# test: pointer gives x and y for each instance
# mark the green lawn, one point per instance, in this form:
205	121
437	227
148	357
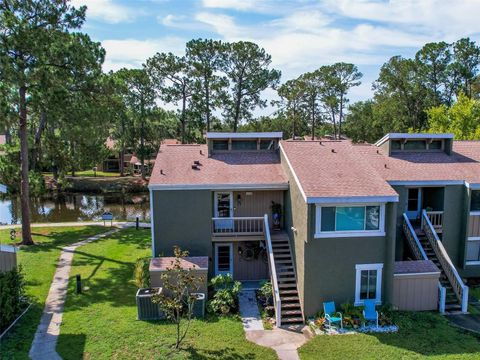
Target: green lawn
90	173
421	335
101	323
38	263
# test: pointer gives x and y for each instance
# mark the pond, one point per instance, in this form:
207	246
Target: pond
77	207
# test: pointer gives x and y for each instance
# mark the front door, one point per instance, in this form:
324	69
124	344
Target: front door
414	203
223	259
224	209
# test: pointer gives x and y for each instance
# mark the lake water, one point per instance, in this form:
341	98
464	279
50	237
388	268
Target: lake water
78	207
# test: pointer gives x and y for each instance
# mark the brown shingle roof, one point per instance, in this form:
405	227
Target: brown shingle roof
189	262
232	168
412	267
334	169
462	165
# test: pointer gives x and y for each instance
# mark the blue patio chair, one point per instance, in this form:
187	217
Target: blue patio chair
331	315
369	312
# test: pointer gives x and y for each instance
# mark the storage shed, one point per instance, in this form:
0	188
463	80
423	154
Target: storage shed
415	285
8	257
198	264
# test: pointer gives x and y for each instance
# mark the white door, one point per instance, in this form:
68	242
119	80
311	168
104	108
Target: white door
223	259
414	203
224	209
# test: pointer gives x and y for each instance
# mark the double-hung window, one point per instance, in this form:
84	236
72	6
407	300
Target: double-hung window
368	283
473	240
350	220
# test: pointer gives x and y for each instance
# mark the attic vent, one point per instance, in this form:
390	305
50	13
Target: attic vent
197	162
195	167
333	151
161	172
201	152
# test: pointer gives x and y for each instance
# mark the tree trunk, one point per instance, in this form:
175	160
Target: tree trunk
122	161
313	120
25	187
207	102
142	141
238	102
334	125
340	119
184	106
36	151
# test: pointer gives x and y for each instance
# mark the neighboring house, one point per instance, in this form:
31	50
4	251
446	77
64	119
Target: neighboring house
351	213
131	162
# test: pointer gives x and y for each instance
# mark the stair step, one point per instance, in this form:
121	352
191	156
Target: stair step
289	286
282	256
288	292
291	305
292	320
289	298
283	261
281	273
281	251
292	312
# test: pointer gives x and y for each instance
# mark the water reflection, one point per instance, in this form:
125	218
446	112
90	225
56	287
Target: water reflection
77	207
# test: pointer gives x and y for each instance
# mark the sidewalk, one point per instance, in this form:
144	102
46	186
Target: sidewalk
45	340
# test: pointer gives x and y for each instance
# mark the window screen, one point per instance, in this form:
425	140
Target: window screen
244	145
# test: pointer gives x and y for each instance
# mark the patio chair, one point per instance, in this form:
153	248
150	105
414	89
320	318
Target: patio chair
331	315
369	312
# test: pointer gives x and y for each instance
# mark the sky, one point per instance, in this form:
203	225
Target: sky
301	35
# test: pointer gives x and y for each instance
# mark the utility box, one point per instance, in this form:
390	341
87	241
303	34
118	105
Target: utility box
197	264
199	305
146	308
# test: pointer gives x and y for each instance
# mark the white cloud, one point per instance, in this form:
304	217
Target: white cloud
108	10
224	25
231	4
131	53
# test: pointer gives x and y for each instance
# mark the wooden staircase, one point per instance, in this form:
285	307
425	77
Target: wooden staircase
291	311
451	301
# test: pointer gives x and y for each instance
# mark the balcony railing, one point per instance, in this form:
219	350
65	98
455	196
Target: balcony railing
436	219
237	226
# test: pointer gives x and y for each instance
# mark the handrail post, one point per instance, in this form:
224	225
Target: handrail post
442	299
273	273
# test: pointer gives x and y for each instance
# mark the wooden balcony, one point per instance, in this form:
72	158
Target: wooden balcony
238	228
436	219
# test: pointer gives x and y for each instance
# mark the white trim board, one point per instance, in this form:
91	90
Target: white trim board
293	172
425	182
397	136
417	274
475	186
244	135
352	199
152	224
159	187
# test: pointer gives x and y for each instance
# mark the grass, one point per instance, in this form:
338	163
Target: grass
421	335
38	264
89	173
101	323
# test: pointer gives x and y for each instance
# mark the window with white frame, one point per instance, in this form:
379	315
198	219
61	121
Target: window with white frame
368	283
350	220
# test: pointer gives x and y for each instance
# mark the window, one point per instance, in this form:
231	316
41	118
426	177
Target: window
435	145
267	144
220	145
396	145
473	251
415	145
244	145
368	283
361	220
413	194
475	201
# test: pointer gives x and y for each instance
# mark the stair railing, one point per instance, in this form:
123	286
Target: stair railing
277	302
419	253
459	288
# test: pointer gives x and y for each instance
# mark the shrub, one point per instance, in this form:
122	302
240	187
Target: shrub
12	296
141	273
265	293
225	298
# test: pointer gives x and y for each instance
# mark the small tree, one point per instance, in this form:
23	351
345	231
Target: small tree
177	298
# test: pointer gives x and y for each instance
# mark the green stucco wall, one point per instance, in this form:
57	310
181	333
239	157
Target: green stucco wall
183	218
296	215
330	263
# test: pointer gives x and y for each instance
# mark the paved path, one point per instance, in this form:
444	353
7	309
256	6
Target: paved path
466	321
77	223
45	340
249	310
285	343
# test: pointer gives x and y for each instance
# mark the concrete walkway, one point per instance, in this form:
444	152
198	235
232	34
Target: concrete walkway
285	343
45	340
78	223
466	321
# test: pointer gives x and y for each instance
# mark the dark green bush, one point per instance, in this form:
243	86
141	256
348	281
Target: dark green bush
225	298
12	296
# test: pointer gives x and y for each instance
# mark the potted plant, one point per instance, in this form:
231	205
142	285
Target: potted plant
276	215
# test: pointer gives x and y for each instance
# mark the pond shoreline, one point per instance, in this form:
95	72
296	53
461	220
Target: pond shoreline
99	185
